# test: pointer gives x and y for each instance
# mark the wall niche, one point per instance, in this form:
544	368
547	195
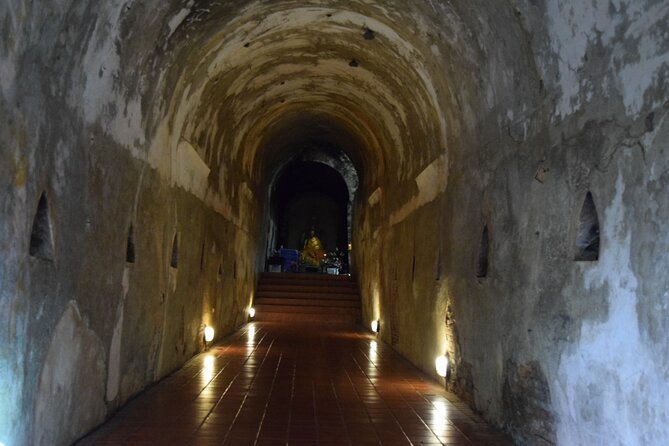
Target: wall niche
174	259
587	236
130	246
484	252
202	257
41	236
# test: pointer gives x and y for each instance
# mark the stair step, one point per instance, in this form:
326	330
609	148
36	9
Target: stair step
340	288
321	318
308	276
307	295
291	297
307	289
288	295
351	303
305	309
310	282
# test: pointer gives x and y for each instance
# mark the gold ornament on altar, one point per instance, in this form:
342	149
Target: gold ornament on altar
313	252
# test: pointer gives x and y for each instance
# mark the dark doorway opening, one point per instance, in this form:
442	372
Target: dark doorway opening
306	196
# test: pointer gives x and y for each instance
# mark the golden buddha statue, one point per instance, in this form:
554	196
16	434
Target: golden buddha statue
313	252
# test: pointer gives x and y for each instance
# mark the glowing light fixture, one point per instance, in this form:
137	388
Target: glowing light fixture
442	365
252	312
375	326
208	333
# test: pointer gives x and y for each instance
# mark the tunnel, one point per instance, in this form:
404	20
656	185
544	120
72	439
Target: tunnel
495	171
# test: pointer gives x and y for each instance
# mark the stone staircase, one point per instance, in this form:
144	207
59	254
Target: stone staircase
292	297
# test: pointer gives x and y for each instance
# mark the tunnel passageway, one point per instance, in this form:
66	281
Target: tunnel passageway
496	172
299	385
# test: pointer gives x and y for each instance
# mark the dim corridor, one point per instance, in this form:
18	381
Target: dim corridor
304	384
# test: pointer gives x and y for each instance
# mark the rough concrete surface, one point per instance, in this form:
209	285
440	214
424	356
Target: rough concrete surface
175	117
70	396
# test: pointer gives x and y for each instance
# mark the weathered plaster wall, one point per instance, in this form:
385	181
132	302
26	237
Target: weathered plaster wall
85	330
174	117
75	359
571	98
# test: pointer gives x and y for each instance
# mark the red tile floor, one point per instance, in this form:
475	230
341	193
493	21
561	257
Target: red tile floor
278	384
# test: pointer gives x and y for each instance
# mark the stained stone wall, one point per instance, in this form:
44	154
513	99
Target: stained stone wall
173	117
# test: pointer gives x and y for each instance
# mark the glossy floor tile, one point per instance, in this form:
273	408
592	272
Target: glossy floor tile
279	384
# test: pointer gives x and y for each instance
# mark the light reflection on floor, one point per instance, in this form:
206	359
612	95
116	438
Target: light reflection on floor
273	384
439	418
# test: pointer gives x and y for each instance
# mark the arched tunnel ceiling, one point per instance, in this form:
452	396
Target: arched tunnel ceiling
312	138
214	94
252	85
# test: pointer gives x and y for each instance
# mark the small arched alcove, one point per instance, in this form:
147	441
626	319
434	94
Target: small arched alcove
203	257
130	246
41	237
587	236
174	258
484	252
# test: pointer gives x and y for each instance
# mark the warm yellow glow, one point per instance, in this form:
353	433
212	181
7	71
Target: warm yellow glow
251	335
375	326
207	373
376	302
208	370
350	246
208	333
438	423
252	312
372	371
440	407
442	365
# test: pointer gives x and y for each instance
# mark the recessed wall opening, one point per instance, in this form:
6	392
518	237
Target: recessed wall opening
174	259
41	237
484	250
202	257
313	165
311	197
130	246
587	236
